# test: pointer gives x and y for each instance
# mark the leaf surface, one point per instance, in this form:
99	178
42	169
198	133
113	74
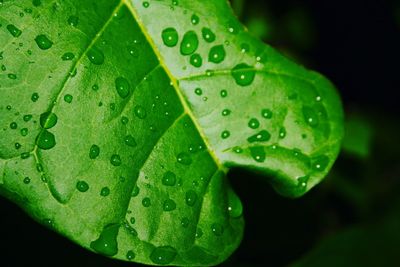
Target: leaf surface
120	120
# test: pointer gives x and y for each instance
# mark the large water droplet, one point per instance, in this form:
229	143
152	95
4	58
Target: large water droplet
46	140
320	163
191	198
14	30
107	244
184	158
235	207
208	35
258	153
43	42
169	205
48	120
122	86
95	56
163	255
243	74
262	136
170	37
190	43
217	54
169	179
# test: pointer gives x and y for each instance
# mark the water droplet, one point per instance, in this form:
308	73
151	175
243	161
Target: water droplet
115	160
43	42
185	222
14	30
266	113
146	4
310	116
122	86
146	202
320	163
68	98
225	134
238	150
217	229
135	191
94	151
27	180
190	43
196	60
258	153
195	19
13	125
95	56
130	255
208	35
262	136
132	220
48	120
24	131
243	74
282	132
198	91
226	112
254	123
169	205
217	54
107	244
12	76
25	155
235	207
302	181
191	198
170	37
73	21
199	233
17	145
105	191
130	141
95	87
68	56
184	158
163	255
140	112
245	48
46	140
82	186
169	179
224	93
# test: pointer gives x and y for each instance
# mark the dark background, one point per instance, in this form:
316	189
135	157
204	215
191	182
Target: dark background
352	218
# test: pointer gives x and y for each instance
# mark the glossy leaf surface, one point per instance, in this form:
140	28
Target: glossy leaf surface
119	121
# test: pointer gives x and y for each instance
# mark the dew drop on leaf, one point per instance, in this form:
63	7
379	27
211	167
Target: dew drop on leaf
163	255
116	160
217	54
199	233
190	43
24	131
146	4
82	186
185	222
235	207
196	60
198	91
195	19
12	76
13	125
258	154
310	116
130	141
68	98
140	112
107	244
184	158
169	179
122	86
224	93
94	151
73	21
68	56
170	37
217	229
191	198
225	134
48	120
135	191
27	180
169	205
46	140
243	74
208	35
262	136
95	56
254	123
105	191
130	255
146	202
14	30
43	42
320	163
266	113
226	112
282	132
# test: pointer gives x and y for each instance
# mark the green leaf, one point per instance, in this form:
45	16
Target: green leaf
120	121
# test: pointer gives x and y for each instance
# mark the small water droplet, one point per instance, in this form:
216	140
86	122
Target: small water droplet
122	86
68	98
169	205
235	207
195	19
185	222
135	191
43	42
130	141
46	140
13	125
243	74
12	76
254	123
320	163
94	151
169	179
245	48
199	233
184	158
105	191
14	30
217	54
258	154
82	186
217	229
115	160
266	113
262	136
208	35
225	134
146	202
68	56
130	255
163	255
146	4
226	112
310	116
140	112
170	37
27	180
196	60
95	56
48	120
224	93
189	44
198	91
282	132
24	131
191	198
73	21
